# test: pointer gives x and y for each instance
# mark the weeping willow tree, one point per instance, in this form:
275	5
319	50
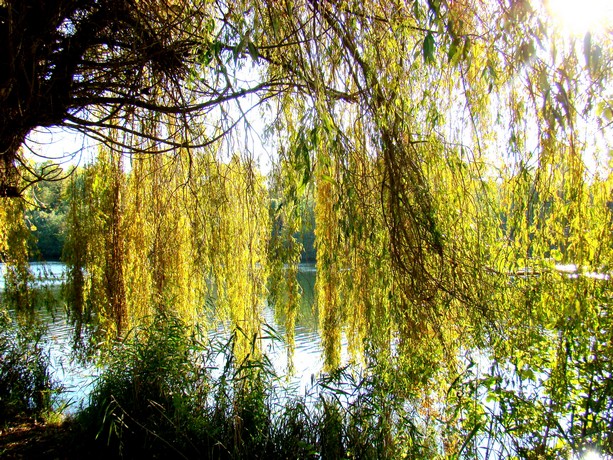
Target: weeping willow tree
155	237
14	254
457	153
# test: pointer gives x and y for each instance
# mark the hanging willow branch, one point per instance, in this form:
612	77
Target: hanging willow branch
88	64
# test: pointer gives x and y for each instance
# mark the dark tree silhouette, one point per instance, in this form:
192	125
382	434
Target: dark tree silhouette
99	66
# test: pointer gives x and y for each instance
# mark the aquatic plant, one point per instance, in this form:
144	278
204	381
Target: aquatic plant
26	385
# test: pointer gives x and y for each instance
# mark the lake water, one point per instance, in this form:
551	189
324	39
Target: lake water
77	378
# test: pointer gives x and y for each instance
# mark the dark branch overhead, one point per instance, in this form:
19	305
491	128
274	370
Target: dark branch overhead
87	64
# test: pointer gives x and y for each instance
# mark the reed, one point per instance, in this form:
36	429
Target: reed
169	391
26	386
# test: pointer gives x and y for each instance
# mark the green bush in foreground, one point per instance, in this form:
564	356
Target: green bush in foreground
26	387
168	393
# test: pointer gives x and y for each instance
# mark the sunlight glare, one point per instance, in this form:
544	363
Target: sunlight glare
578	17
591	455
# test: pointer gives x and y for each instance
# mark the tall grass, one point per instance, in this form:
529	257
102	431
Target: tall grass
168	391
26	387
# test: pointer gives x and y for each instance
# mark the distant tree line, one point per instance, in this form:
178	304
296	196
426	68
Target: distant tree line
47	220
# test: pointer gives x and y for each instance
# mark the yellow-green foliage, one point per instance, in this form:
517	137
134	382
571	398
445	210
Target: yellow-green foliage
160	245
330	258
289	199
169	237
15	254
236	228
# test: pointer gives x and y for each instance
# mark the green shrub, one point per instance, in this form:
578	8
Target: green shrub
150	385
26	387
167	391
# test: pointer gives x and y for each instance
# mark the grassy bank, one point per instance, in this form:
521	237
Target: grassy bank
170	392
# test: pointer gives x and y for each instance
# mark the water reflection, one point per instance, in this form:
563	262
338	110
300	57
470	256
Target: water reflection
45	274
77	377
307	361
